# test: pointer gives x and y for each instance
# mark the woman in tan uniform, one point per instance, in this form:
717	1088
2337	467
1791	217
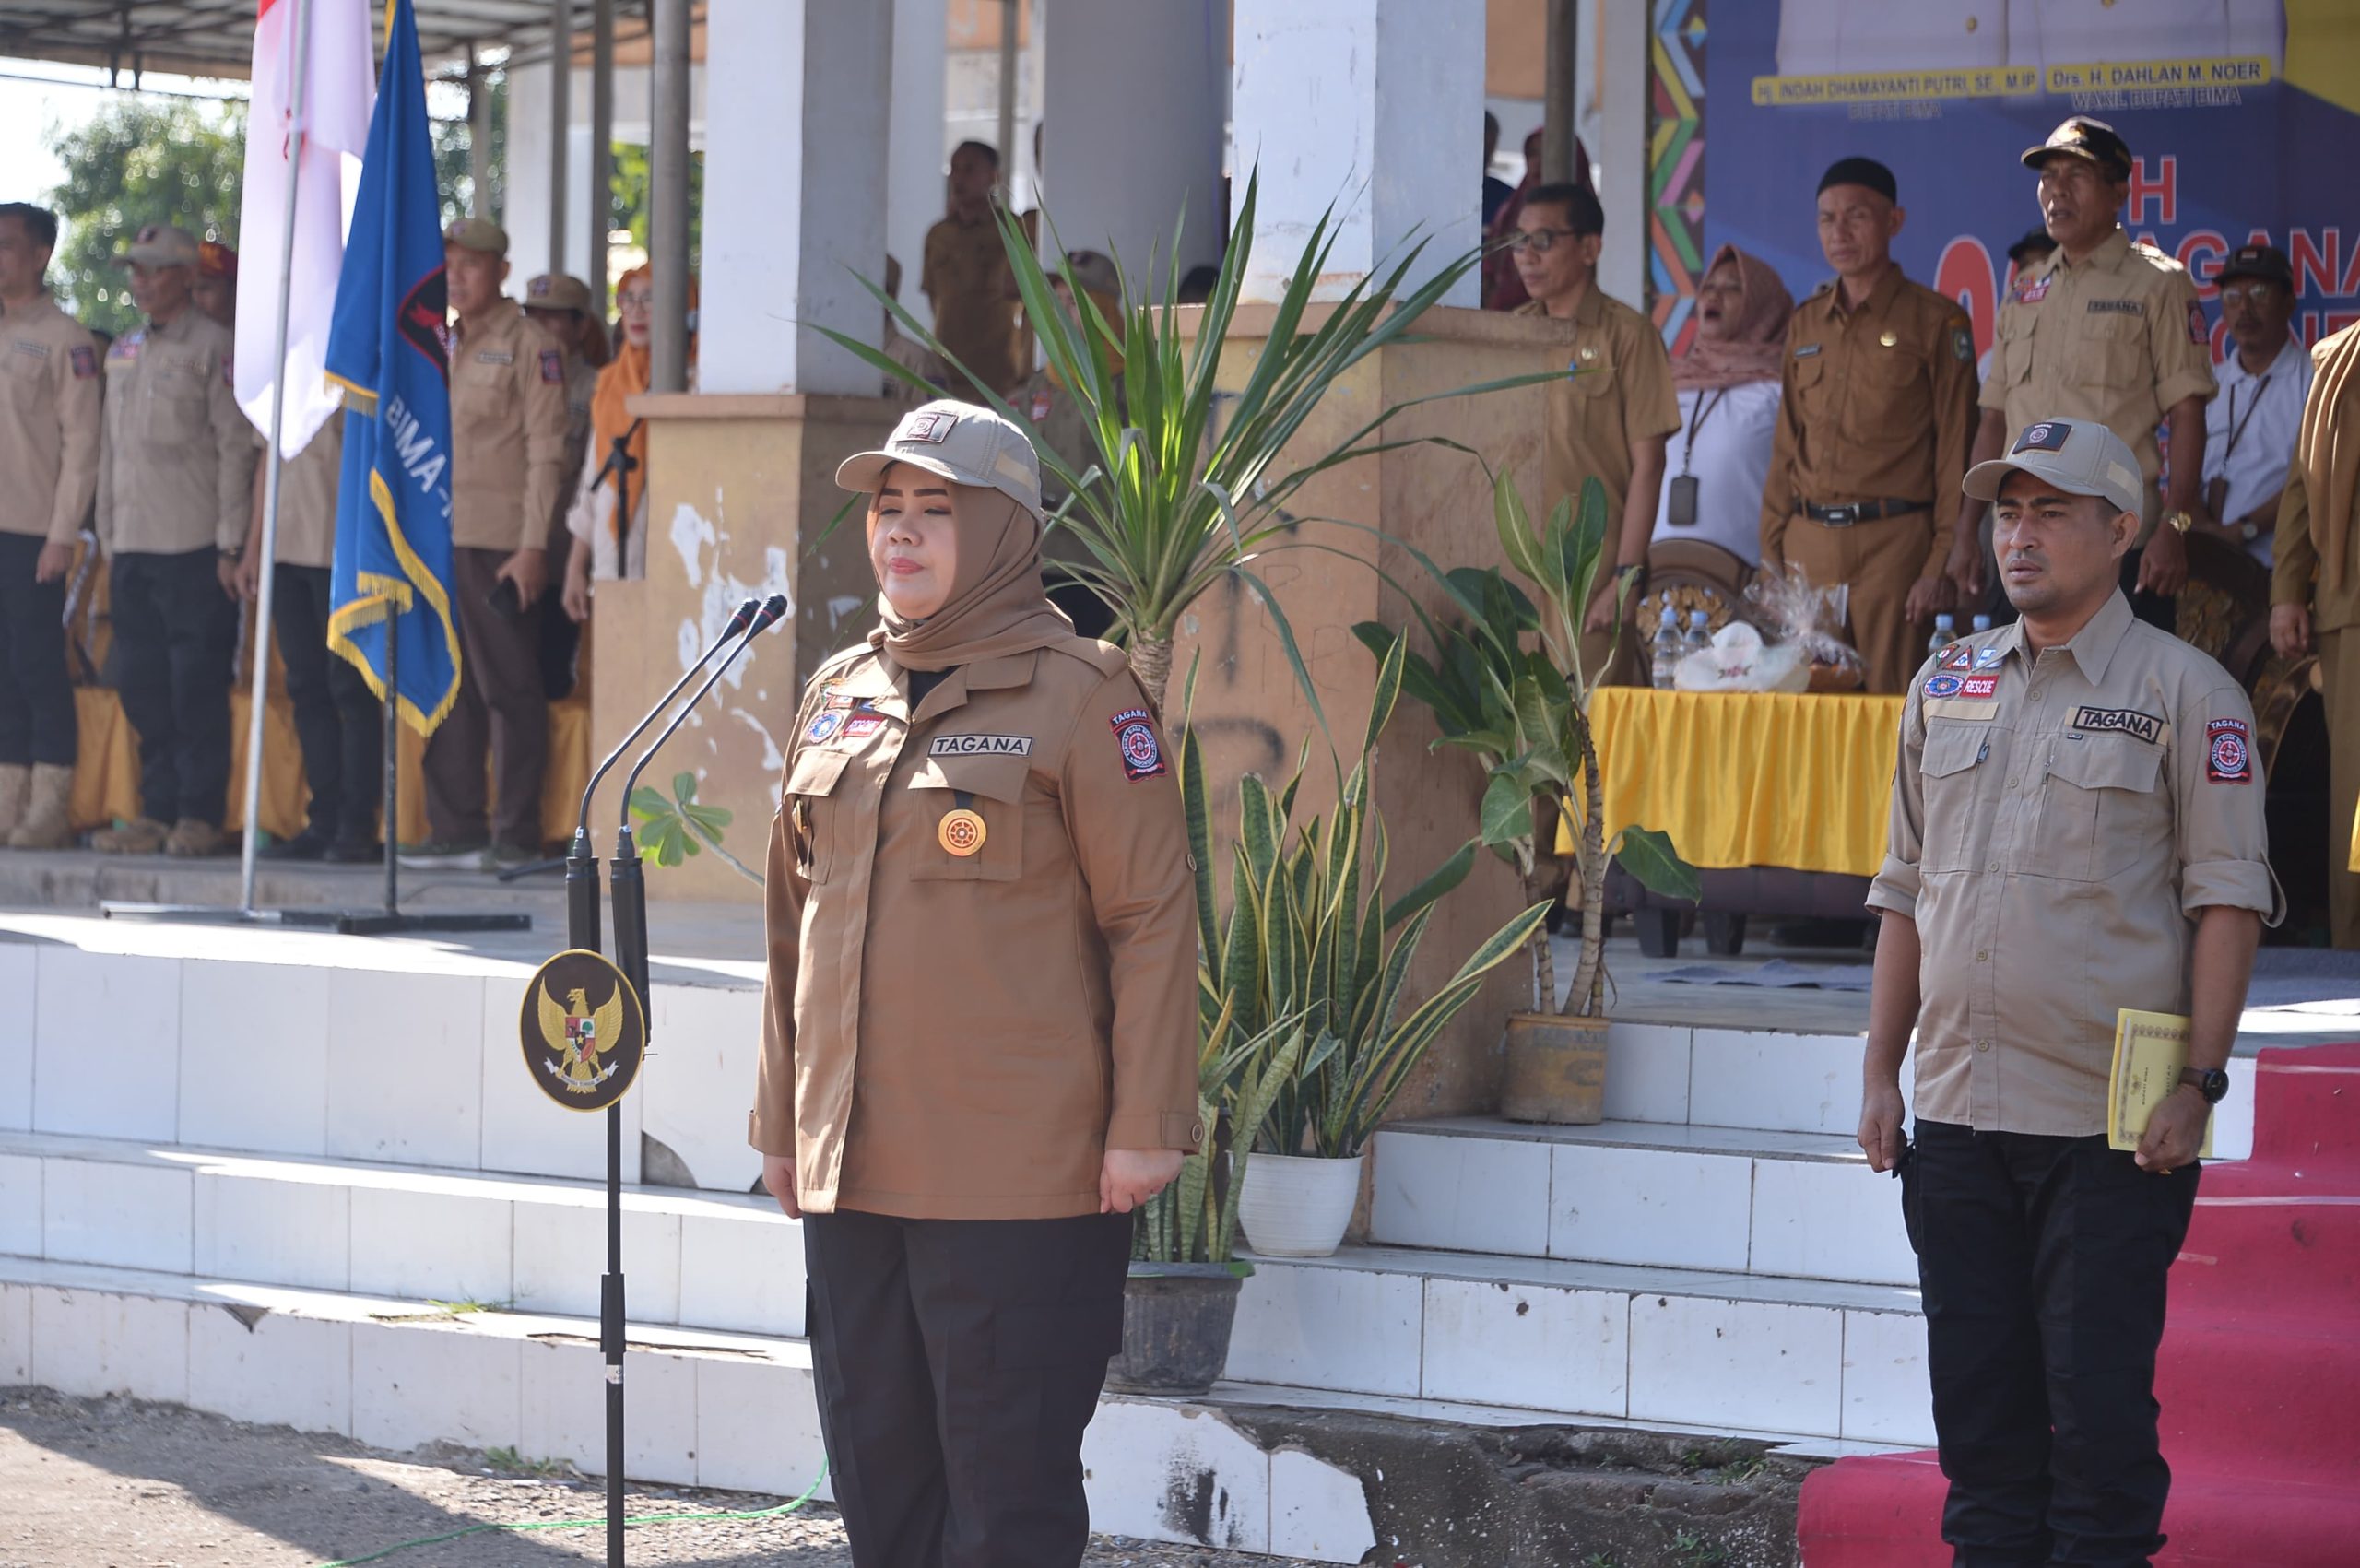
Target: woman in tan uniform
980	1042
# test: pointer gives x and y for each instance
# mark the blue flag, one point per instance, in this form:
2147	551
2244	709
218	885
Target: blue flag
390	600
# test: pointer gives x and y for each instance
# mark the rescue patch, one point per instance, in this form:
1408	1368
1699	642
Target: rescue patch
981	745
2116	308
1944	685
863	724
2049	435
823	727
86	362
2197	331
495	356
1961	346
934	428
1135	736
552	367
1980	687
2033	292
2228	751
2120	721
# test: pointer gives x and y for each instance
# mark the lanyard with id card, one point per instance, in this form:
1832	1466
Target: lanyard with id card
1680	496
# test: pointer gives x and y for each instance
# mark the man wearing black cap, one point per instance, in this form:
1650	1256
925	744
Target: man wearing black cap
1876	407
2104	330
2249	429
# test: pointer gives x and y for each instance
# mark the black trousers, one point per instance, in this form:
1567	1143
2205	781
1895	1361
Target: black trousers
502	709
958	1361
2042	1261
175	635
338	720
37	722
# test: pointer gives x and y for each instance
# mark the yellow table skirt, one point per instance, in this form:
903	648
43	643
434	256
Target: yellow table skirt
1741	779
106	772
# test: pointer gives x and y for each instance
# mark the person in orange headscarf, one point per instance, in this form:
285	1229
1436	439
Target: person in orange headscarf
609	542
1717	462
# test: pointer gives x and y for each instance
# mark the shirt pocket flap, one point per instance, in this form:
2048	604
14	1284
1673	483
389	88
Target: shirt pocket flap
1952	748
994	778
815	770
2108	762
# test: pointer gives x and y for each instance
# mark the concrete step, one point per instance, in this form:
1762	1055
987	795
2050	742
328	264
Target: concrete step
1255	1468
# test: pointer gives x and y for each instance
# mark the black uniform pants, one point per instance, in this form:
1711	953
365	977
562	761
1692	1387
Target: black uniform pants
2042	1261
958	1361
338	720
175	637
37	721
502	709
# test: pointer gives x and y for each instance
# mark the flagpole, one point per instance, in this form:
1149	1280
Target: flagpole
265	568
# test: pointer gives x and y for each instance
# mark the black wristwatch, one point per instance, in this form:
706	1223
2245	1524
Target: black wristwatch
2210	1083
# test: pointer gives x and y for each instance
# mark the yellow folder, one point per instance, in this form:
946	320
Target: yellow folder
2149	1052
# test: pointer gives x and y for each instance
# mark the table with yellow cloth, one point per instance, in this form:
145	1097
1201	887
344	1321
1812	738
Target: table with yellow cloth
106	772
1750	779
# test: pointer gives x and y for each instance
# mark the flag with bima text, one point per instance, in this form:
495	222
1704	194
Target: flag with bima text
390	598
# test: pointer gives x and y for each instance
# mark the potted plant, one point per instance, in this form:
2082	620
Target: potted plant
1507	682
1306	935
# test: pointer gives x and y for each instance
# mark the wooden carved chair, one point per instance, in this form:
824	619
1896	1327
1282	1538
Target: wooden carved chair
1692	574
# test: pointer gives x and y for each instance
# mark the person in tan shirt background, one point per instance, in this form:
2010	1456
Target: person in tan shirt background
508	435
964	274
979	1051
2076	827
174	495
558	307
1610	418
2104	330
1876	407
49	476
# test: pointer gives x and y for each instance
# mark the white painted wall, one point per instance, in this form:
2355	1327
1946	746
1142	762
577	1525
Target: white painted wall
1135	93
793	193
1616	32
1375	106
914	159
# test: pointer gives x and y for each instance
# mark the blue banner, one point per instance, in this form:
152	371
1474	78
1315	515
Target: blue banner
390	596
2243	118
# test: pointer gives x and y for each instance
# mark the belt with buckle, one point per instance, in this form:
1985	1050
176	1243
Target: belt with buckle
1864	512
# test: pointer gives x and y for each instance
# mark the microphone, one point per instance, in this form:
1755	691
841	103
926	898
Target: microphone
774	609
747	614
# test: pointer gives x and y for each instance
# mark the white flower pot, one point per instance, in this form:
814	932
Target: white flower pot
1294	1206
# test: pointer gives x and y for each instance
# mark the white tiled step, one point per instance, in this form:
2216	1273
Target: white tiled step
1724	1352
718	1261
1662	1194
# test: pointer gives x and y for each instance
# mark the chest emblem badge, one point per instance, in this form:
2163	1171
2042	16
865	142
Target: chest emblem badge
961	832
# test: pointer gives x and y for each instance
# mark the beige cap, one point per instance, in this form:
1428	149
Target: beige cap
555	291
476	234
164	244
2079	456
962	442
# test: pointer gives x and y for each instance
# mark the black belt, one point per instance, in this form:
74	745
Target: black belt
1864	512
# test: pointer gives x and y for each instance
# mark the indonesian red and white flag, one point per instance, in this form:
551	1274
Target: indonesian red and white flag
338	89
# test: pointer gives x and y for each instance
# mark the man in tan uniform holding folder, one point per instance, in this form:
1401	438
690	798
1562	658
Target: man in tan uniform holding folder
2076	827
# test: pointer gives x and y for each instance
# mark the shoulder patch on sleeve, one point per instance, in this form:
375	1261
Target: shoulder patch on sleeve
1963	344
2228	751
1135	738
552	367
86	361
2197	331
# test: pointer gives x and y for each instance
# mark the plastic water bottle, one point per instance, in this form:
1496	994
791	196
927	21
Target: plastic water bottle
1982	623
1666	650
1699	640
1945	633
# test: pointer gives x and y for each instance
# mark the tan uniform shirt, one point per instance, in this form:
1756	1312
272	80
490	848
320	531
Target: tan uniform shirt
2055	829
178	469
508	430
2119	339
963	1037
1621	393
1876	403
2293	573
966	279
49	421
307	491
581	385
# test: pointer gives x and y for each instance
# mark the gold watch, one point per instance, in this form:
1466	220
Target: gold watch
2181	522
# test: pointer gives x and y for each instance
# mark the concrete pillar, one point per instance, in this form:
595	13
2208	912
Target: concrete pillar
913	162
560	125
668	198
795	193
530	161
602	153
1374	105
1132	96
1621	150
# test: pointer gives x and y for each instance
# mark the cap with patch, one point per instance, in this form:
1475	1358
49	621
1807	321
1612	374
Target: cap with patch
2081	137
2079	456
164	244
555	291
2267	263
476	234
962	442
214	259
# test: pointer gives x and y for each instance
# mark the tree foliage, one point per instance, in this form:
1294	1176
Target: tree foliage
454	139
627	203
140	160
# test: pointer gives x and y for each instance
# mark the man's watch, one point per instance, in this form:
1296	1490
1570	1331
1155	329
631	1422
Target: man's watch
2181	522
2210	1083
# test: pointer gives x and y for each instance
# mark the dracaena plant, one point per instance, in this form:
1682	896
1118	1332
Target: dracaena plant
1306	935
1189	473
1507	682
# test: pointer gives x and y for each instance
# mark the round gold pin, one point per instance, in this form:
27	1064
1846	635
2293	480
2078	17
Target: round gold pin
1887	338
961	833
1589	351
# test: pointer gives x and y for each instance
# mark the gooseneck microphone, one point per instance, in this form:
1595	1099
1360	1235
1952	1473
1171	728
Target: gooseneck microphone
772	610
745	616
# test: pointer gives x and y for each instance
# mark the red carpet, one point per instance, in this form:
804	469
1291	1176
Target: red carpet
2259	1377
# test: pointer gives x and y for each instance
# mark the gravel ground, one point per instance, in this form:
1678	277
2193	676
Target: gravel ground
116	1484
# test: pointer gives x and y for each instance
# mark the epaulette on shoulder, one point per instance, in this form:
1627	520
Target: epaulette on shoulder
1104	658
